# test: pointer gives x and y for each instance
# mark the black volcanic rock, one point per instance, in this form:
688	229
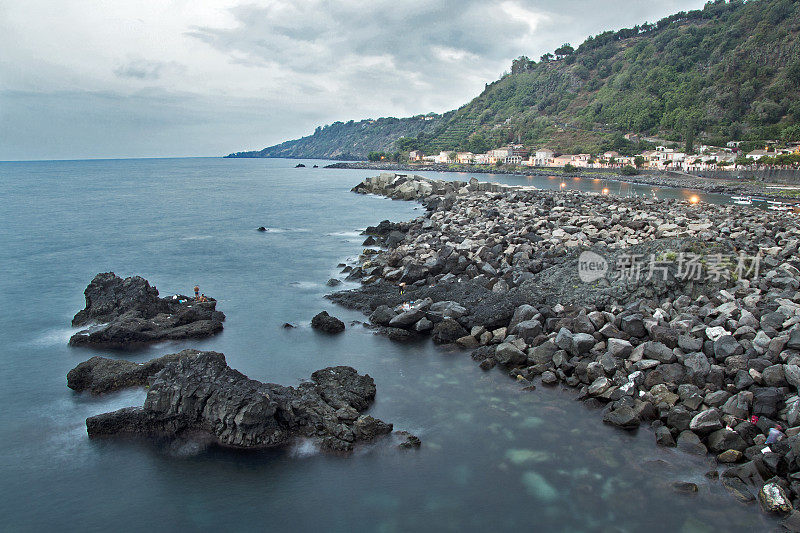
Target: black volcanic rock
129	311
327	323
101	374
200	393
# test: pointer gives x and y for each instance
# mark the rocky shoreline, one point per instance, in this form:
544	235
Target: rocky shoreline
546	286
672	180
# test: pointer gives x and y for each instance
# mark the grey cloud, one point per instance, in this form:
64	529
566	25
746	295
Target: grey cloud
317	36
318	61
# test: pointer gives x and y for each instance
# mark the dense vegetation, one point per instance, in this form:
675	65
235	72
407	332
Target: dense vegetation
730	71
350	140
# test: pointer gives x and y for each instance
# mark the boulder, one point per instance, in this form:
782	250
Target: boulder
619	348
633	324
327	323
726	346
582	343
382	315
527	330
407	319
767	401
543	353
773	499
423	325
624	417
664	437
690	443
698	364
448	331
508	354
522	313
794	339
658	351
726	439
706	421
774	376
739	405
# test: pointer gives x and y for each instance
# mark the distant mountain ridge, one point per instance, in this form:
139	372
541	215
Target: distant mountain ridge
350	140
730	71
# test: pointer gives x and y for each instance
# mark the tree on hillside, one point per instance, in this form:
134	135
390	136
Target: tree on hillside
521	64
638	161
547	57
689	146
564	50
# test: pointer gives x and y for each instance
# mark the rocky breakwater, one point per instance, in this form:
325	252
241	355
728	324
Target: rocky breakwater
197	395
125	312
413	187
683	317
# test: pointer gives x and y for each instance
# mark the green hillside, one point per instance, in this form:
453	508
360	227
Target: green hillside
730	71
350	140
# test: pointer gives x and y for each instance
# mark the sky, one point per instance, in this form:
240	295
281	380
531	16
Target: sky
167	78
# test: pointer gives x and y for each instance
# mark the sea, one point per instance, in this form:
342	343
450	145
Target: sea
493	458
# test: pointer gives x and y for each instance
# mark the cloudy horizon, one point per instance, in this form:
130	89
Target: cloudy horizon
83	80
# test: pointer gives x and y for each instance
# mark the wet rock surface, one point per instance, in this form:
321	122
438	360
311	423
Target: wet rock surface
101	374
198	393
711	362
327	324
126	312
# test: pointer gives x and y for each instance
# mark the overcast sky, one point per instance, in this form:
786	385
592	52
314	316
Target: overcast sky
135	78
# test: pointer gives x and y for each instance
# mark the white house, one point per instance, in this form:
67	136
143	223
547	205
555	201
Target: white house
755	155
542	157
466	158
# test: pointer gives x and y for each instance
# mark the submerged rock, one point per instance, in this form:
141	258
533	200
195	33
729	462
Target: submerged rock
409	441
129	311
200	393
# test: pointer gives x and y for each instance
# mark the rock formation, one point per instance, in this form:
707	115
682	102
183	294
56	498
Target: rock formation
199	393
125	312
326	323
101	374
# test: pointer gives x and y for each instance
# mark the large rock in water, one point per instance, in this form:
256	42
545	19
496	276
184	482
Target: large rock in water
129	311
101	374
327	323
202	394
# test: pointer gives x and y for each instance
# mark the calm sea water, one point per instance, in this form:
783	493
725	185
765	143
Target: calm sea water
493	457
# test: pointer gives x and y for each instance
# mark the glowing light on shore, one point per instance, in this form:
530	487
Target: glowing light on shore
694	200
605	191
563	185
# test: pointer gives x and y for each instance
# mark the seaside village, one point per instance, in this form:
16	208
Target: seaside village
661	158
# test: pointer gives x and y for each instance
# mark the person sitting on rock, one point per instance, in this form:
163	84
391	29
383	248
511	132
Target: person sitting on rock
196	292
203	298
402	288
